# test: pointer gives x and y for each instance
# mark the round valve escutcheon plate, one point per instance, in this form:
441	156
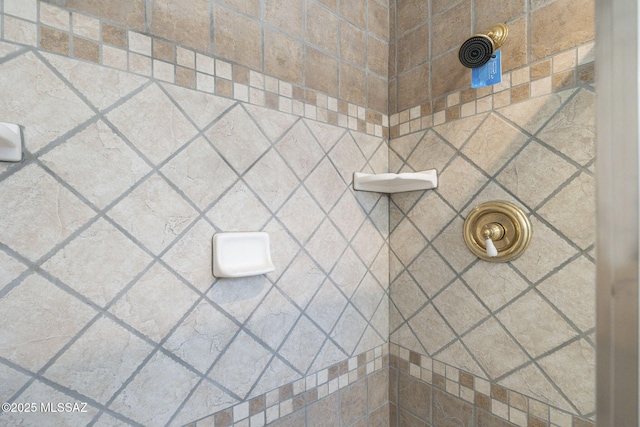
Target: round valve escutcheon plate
511	244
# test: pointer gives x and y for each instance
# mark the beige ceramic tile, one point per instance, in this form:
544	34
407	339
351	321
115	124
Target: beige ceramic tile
98	277
247	49
127	13
449	302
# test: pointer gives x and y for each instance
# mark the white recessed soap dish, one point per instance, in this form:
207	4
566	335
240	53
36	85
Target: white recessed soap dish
241	254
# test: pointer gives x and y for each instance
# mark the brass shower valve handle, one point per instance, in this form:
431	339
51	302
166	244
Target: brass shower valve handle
493	231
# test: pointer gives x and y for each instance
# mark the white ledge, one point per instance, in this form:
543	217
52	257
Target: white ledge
395	182
241	254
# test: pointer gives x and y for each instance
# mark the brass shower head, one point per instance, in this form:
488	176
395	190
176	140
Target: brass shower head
478	50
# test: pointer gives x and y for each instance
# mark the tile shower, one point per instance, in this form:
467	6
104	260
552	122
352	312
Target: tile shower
150	125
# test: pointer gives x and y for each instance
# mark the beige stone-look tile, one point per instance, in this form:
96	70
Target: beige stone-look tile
285	14
580	195
451	245
283	56
320	71
156	391
326	245
101	277
457	133
535	324
324	412
546	251
449	301
377	57
411	88
241	365
49	319
572	369
104	88
446	407
457	355
239	197
493	144
326	306
572	129
272	180
239	297
447	75
368	296
200	107
247	49
31	105
127	13
459	181
301	270
273	319
301	215
49	213
535	173
572	290
99	154
406	295
238	139
12	381
325	184
25	9
200	173
20	31
531	115
573	25
328	356
349	329
431	329
147	119
351	85
140	64
42	393
410	14
186	24
413	48
272	123
348	273
378	20
353	42
99	363
530	381
54	41
250	7
431	153
54	16
205	400
154	213
86	49
191	256
157	291
201	336
10	268
488	13
300	149
515	51
85	26
495	284
322	28
353	402
451	28
430	215
355	12
289	247
347	158
494	349
115	36
431	272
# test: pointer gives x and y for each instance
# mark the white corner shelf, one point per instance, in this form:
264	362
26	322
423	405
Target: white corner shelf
241	254
395	182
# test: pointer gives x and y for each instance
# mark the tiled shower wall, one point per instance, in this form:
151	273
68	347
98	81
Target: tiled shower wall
106	291
517	339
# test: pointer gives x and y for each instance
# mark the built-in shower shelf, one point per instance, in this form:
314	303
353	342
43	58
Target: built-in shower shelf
395	182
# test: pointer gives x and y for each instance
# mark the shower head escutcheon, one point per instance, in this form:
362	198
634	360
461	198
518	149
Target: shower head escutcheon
478	50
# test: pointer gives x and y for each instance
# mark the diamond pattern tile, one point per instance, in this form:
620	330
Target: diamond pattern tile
535	173
278	372
349	329
430	214
155	292
494	285
458	132
348	272
367	243
153	124
300	150
201	336
327	135
239	297
49	213
431	330
272	180
530	381
100	153
459	182
10	269
407	295
493	144
431	153
98	277
325	184
407	242
460	307
154	213
49	319
326	306
273	319
301	215
550	331
30	93
12	381
205	400
239	198
273	123
100	361
347	158
200	173
172	383
238	139
302	344
368	296
301	270
326	245
533	113
200	107
431	272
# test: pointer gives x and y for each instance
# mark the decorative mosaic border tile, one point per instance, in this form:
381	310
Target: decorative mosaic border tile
84	37
279	403
509	405
570	68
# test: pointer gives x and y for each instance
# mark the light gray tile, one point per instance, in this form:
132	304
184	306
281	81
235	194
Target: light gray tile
200	107
205	400
273	319
300	150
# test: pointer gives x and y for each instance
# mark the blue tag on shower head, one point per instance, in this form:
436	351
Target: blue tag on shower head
489	74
